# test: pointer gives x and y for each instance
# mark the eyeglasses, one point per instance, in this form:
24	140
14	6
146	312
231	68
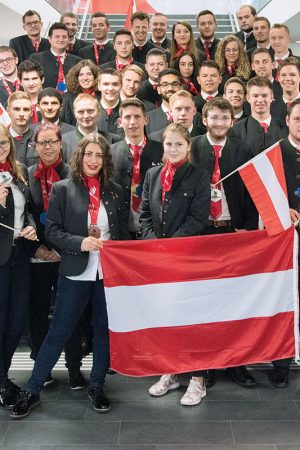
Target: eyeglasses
220	119
32	24
231	50
4	144
51	142
90	155
174	84
7	60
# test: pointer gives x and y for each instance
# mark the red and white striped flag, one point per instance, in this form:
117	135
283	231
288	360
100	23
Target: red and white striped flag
265	180
177	305
131	10
4	117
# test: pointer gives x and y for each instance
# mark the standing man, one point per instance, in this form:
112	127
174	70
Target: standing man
19	108
183	110
9	83
159	28
50	103
56	62
289	79
280	39
71	21
31	42
140	27
31	76
101	51
235	92
245	16
260	130
133	156
169	82
261	32
156	62
207	25
132	77
109	84
209	79
123	46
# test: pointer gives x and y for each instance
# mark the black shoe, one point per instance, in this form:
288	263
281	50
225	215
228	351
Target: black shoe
100	402
241	376
210	378
111	371
9	394
279	377
49	381
77	380
25	402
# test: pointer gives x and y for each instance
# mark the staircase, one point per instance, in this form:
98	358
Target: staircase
225	23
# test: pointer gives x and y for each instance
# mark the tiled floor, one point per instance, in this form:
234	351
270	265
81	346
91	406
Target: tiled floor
229	417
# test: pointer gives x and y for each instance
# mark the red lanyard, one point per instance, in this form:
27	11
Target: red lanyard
16	84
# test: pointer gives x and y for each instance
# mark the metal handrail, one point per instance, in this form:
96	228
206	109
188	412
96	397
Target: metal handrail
232	17
76	6
87	6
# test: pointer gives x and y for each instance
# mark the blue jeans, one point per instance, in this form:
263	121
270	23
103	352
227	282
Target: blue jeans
71	300
14	301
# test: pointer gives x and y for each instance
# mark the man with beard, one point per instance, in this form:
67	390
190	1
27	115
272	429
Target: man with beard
169	82
245	16
261	32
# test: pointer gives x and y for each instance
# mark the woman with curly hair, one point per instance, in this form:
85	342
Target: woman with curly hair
183	39
232	59
82	78
186	64
84	211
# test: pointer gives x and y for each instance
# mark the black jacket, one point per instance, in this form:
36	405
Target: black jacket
67	220
25	149
50	66
242	210
139	54
186	207
79	44
249	43
106	54
212	49
24	48
7	216
291	164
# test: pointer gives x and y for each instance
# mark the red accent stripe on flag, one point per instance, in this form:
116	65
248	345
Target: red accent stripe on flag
209	346
261	198
275	157
181	259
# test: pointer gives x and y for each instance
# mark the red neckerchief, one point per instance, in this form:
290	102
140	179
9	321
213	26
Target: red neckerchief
180	50
136	192
16	84
5	167
88	91
231	69
167	176
97	47
120	66
34	118
70	48
47	176
93	184
36	45
192	88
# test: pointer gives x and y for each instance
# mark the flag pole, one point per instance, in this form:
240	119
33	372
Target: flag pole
12	229
260	155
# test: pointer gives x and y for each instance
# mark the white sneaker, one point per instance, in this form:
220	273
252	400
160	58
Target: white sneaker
194	393
165	384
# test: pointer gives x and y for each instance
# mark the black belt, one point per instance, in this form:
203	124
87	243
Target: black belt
219	223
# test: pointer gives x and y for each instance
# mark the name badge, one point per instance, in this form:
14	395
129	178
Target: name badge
43	218
215	195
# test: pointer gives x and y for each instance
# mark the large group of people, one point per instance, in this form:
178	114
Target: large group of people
127	139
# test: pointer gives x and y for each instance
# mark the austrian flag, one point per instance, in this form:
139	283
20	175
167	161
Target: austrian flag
182	304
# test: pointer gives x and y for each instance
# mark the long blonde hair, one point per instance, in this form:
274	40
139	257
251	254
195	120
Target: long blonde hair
243	66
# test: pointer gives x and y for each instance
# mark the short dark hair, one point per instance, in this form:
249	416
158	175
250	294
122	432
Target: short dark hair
139	15
292	106
212	64
110	71
266	51
122	31
132	102
29	13
30	66
68	14
235	80
57	26
217	102
290	61
168	72
156	52
100	14
259	82
50	92
6	48
204	13
263	19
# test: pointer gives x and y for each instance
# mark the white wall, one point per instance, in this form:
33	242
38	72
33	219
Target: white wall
287	11
12	12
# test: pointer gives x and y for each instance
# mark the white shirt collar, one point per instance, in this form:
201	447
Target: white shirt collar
267	121
63	55
288	101
164	108
104	106
191	128
282	57
84	133
102	43
205	95
139	144
13	133
238	115
158	40
140	45
293	143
